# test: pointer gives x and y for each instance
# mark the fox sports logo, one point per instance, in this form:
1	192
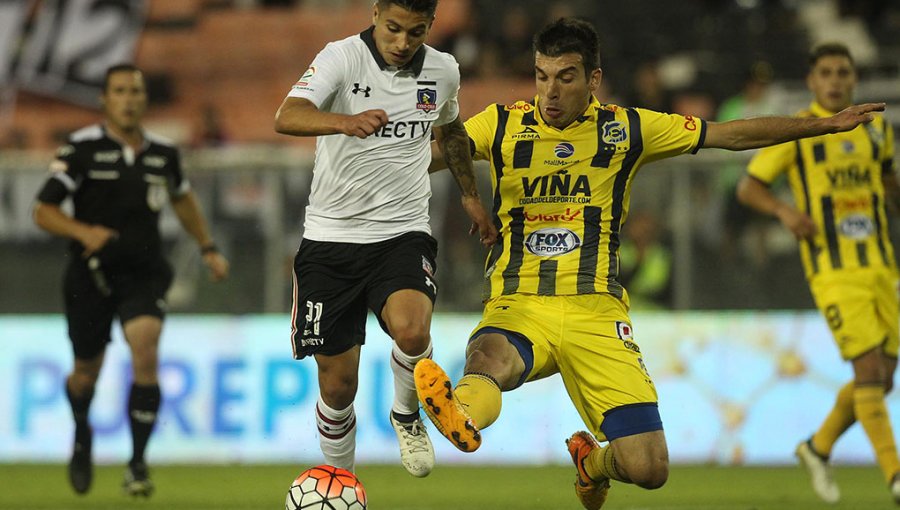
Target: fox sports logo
564	150
550	242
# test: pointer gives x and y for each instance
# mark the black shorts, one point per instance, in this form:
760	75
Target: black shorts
129	294
334	284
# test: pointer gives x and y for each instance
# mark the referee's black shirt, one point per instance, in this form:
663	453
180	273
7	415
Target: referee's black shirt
114	186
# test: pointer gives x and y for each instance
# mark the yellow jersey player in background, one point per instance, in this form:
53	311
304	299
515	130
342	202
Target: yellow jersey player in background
562	168
839	184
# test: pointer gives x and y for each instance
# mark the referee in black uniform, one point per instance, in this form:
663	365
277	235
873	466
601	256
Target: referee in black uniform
119	178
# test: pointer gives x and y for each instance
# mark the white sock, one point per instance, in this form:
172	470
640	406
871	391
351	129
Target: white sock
405	400
337	434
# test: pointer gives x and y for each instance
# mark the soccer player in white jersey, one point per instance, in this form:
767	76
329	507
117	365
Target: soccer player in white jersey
373	100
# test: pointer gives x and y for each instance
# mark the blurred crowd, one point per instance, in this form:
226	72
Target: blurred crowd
716	59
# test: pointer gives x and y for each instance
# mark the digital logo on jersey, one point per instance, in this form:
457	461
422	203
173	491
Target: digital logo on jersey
426	100
564	150
614	132
551	242
856	226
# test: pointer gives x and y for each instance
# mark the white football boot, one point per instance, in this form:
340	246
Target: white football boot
416	450
819	474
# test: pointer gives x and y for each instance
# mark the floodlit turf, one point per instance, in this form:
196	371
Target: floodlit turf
32	487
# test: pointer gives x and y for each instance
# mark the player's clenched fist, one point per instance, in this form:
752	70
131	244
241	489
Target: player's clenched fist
365	123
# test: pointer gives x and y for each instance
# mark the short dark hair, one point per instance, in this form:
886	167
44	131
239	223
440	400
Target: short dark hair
570	35
118	68
421	6
829	50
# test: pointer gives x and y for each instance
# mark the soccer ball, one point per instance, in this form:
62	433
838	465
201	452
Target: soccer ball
326	488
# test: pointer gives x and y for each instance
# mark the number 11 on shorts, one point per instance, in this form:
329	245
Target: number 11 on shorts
313	317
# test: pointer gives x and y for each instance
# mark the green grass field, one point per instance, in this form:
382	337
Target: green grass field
32	487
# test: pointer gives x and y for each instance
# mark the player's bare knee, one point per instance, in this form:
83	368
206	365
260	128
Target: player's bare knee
888	385
412	339
651	475
83	381
338	396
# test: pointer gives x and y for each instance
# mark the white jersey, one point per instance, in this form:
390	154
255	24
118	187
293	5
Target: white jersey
372	189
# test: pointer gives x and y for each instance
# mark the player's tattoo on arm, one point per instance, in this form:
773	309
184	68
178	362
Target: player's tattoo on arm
454	143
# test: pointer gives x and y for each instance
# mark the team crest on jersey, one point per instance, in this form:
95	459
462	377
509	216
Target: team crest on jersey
564	150
551	242
426	100
623	329
847	146
614	132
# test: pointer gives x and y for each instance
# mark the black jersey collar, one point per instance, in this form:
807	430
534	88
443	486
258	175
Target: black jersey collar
415	65
145	141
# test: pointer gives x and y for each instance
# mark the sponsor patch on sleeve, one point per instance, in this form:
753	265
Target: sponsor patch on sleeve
623	329
307	76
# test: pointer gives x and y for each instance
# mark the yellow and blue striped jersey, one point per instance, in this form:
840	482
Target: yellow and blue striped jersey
836	180
560	197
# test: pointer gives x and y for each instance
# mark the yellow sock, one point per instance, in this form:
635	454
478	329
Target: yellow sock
480	395
837	422
868	403
601	463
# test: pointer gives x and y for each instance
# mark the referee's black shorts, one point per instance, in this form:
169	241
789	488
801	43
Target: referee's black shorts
129	294
334	284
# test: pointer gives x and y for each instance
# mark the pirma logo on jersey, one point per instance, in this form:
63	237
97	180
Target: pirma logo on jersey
563	150
550	242
426	100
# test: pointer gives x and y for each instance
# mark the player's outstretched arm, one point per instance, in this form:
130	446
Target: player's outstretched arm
191	218
738	135
757	195
300	117
453	141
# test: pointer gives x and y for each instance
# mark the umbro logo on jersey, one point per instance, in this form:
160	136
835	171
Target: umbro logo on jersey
527	133
357	89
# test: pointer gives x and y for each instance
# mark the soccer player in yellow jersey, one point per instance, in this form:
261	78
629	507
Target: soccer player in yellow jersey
562	167
840	183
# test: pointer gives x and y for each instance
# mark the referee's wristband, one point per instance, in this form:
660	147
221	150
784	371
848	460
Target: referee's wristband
209	248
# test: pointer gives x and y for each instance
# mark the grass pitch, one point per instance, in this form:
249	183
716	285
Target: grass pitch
240	487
